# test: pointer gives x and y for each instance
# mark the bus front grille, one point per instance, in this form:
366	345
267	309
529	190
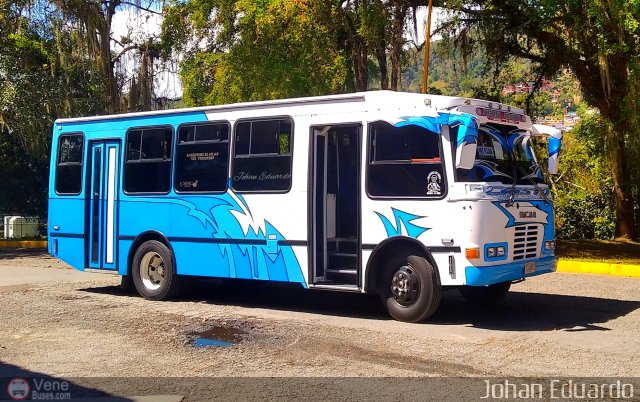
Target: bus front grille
525	243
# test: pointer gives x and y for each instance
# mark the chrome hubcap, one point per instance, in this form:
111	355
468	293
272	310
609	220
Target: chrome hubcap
152	270
405	286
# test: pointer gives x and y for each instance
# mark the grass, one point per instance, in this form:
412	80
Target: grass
610	251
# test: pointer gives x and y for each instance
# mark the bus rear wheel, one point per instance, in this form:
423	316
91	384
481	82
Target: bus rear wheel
154	274
411	288
485	295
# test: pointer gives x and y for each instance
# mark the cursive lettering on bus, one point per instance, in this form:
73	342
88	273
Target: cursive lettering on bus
262	176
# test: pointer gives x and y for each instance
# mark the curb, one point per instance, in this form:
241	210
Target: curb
32	244
599	268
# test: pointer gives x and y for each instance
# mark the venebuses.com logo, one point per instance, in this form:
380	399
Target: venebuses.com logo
20	389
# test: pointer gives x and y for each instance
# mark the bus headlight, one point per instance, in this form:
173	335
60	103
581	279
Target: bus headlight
550	245
492	252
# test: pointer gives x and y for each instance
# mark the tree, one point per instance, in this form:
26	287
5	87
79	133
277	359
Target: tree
92	21
253	50
599	41
42	76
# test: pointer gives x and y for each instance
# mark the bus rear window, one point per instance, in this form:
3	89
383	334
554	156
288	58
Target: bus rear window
69	164
202	158
147	168
404	162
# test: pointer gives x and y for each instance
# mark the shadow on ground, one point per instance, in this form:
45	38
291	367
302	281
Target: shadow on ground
11	253
37	384
519	311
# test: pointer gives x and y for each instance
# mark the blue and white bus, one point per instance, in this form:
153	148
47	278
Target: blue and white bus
382	192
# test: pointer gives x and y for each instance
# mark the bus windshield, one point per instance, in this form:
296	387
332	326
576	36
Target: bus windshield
502	154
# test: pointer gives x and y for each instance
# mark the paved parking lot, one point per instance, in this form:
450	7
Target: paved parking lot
65	323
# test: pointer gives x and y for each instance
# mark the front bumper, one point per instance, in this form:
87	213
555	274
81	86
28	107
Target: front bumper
491	274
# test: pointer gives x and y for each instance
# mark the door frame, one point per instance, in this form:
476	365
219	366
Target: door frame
326	127
104	223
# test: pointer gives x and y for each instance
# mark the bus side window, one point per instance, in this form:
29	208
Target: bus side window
404	162
68	172
202	158
147	168
262	156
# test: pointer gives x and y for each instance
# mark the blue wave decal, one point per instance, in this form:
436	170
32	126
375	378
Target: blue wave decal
489	169
402	220
467	132
495	135
523	213
227	216
554	146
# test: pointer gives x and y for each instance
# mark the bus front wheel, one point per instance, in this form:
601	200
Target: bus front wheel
411	288
486	295
154	273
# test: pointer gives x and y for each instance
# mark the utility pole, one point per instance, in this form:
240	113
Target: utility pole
427	35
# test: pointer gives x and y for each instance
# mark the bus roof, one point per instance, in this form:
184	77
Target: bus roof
381	99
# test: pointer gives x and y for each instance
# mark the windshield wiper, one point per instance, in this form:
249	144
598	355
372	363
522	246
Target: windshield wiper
514	181
537	189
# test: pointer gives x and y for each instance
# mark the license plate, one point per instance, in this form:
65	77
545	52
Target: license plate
529	267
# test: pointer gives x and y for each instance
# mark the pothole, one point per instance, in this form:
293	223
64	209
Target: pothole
218	334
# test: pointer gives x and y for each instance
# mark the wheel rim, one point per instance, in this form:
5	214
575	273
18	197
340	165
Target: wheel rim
405	286
152	270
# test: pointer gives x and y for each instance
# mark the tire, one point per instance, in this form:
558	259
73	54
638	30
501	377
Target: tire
485	295
154	273
410	288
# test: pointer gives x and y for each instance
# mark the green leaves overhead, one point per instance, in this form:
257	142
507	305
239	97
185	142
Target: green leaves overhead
247	50
599	41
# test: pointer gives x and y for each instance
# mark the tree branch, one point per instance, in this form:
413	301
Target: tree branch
140	7
123	51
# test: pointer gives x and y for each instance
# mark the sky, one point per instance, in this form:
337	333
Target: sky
142	24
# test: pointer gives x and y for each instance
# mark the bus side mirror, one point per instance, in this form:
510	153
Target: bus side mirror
554	154
466	155
555	142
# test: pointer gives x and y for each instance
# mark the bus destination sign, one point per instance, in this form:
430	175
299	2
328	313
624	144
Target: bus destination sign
501	115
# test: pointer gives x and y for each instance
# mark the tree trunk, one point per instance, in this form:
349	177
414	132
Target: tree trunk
397	40
105	55
381	55
360	58
146	78
625	222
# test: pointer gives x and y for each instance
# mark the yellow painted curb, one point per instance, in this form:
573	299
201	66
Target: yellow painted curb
23	244
601	268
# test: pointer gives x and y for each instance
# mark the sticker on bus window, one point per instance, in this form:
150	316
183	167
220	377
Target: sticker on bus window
433	183
486	151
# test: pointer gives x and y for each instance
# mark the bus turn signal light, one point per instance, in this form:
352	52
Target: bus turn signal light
471	253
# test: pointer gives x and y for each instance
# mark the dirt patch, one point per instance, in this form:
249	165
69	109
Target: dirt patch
66	323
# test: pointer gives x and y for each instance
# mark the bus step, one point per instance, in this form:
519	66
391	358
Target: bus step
343	239
337	259
330	285
340	254
349	271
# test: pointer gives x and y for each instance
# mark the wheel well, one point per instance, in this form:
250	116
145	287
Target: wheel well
385	251
143	237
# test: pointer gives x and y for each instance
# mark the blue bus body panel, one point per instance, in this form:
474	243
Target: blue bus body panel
67	214
489	275
206	237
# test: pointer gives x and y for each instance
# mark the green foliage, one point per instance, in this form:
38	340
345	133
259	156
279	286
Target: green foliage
278	49
585	206
40	79
599	41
